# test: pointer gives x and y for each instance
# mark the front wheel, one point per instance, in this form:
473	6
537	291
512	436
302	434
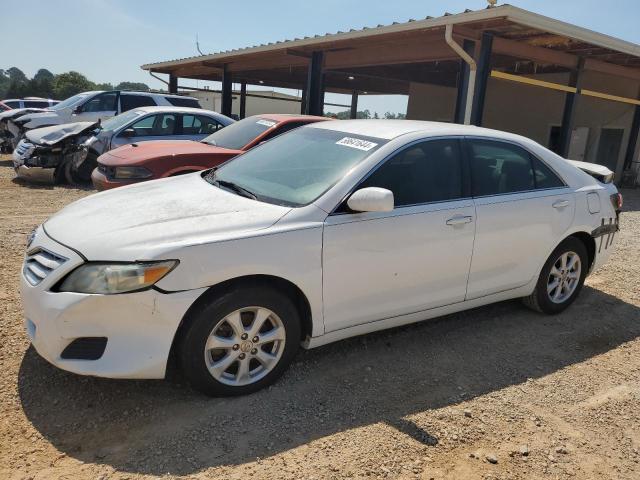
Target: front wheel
561	278
240	342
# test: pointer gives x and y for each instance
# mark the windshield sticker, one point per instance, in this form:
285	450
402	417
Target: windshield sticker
266	123
357	143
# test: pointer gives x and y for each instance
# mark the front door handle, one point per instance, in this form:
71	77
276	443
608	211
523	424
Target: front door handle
560	204
459	220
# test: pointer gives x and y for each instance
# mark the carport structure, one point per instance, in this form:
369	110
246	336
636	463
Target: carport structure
501	67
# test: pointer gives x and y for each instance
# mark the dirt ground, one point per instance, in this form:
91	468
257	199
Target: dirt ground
498	392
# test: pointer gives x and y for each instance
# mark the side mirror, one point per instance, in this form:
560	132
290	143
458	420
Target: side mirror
371	199
77	110
128	133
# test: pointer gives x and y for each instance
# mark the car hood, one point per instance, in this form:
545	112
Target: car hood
19	112
52	135
138	153
45	115
150	219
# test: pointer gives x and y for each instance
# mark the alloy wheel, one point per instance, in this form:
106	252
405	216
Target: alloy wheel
245	346
564	277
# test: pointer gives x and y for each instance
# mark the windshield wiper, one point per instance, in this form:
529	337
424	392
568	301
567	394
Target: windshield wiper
236	188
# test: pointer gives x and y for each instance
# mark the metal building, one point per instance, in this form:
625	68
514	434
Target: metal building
573	89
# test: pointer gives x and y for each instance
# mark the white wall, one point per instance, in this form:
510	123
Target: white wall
255	106
532	111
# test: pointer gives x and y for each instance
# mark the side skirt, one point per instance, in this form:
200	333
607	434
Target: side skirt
334	336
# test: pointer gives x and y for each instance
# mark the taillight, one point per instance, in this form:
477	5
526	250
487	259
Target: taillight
616	201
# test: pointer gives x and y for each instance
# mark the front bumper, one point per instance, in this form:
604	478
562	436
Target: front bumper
139	327
35	174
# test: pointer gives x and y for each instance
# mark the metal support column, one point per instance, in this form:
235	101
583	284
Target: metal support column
314	104
243	99
354	104
482	78
227	93
173	84
634	136
303	101
568	114
463	83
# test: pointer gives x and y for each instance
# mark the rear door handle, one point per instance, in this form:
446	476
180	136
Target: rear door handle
459	220
560	204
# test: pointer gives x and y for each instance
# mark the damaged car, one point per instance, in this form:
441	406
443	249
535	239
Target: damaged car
8	139
95	105
46	154
144	124
68	153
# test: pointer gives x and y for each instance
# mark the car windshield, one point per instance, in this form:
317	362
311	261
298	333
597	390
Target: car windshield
70	102
294	169
239	134
121	120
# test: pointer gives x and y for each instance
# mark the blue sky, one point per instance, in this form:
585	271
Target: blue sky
108	40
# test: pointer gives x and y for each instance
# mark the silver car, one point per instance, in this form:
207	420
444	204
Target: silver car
69	152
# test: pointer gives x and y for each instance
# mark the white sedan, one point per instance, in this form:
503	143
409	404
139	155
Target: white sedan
333	230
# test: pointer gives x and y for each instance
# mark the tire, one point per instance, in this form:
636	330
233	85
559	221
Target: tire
552	300
82	174
237	364
62	174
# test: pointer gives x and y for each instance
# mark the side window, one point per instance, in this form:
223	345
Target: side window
544	176
427	172
104	102
165	125
36	104
12	104
129	101
144	126
198	125
208	125
498	167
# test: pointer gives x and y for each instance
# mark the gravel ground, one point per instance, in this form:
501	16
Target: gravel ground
498	392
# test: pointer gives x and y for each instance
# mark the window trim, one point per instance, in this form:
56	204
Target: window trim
468	154
464	170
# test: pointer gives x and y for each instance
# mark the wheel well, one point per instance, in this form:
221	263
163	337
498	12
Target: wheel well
300	300
589	243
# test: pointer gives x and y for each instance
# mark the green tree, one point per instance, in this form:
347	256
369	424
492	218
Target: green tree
41	85
104	86
137	86
5	81
70	83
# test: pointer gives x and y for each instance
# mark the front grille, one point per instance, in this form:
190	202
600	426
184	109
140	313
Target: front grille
39	264
85	348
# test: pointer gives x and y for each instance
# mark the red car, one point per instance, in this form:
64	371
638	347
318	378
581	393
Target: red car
164	158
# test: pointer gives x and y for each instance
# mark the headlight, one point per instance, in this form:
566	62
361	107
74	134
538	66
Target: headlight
108	279
131	172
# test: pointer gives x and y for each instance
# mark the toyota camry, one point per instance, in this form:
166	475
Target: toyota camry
332	230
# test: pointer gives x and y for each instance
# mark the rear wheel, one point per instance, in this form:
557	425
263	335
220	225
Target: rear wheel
561	278
240	342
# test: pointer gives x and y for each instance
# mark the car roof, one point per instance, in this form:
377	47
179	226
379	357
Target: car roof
162	108
390	129
287	117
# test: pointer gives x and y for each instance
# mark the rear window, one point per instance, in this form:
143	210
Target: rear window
183	102
240	134
129	102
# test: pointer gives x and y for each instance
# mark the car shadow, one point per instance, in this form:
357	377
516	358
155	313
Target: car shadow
50	185
155	427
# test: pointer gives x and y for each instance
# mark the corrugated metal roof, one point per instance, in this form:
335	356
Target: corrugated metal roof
509	12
